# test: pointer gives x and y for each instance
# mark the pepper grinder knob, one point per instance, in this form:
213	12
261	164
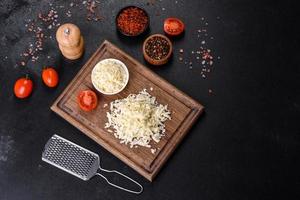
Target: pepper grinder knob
67	31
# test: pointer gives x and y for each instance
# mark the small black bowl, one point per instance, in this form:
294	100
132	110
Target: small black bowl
126	34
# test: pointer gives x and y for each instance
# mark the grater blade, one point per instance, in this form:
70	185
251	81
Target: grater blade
70	157
79	161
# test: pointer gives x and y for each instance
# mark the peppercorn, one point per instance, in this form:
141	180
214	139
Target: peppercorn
157	48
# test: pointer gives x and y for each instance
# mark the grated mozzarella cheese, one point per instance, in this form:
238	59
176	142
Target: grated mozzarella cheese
109	76
138	119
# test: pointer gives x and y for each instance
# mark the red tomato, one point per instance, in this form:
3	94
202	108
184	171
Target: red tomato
173	26
50	77
23	87
87	100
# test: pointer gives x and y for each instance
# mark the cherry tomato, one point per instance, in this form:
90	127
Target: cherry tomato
23	87
173	26
87	100
50	77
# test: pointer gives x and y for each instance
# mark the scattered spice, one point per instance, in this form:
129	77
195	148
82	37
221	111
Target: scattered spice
48	20
201	56
150	2
69	14
92	11
157	48
132	21
43	25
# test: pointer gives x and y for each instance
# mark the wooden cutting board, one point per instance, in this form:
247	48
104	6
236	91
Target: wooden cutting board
184	111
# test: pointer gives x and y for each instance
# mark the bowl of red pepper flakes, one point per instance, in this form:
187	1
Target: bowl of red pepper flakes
132	21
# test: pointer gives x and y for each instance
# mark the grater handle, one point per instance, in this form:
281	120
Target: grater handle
117	186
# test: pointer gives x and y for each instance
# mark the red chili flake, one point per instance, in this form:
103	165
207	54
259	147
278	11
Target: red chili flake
132	21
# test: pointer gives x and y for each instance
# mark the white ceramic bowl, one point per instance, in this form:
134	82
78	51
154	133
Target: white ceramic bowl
126	74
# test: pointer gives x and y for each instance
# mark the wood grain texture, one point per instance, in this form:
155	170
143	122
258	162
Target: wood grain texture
184	111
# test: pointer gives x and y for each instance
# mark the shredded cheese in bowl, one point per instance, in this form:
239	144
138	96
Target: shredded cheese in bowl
138	119
110	76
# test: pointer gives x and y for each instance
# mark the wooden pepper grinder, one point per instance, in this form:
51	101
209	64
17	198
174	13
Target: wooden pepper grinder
70	41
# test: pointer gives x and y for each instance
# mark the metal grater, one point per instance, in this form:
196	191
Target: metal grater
78	161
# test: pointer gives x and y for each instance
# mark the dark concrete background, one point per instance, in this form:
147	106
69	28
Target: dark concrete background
246	146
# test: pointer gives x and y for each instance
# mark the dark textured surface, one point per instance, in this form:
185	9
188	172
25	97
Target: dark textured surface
246	146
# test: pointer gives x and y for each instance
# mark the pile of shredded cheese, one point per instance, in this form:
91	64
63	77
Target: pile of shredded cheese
138	119
109	76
